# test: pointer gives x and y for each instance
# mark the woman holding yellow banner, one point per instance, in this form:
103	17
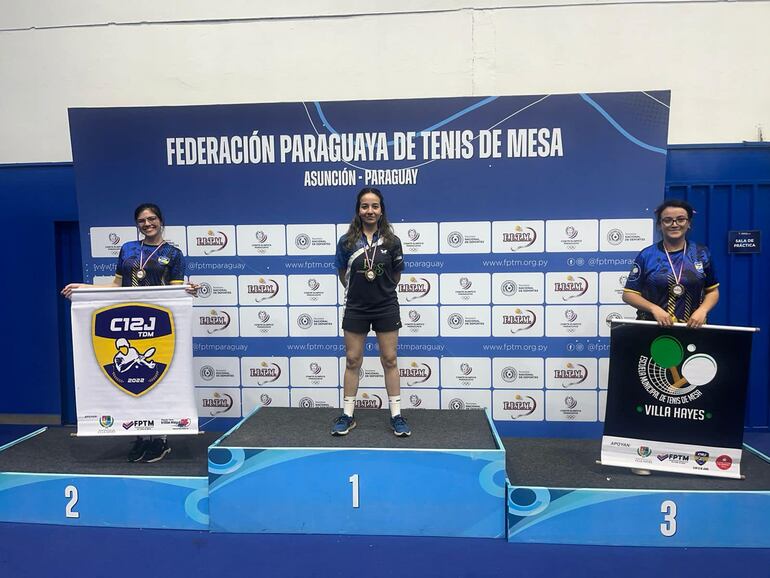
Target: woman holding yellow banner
146	263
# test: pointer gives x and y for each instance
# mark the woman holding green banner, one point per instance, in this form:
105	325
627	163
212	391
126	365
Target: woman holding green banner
673	280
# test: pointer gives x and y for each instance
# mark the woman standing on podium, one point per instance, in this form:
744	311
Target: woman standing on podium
146	263
673	280
369	262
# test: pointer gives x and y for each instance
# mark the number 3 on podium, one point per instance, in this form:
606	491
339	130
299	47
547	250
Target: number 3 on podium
668	527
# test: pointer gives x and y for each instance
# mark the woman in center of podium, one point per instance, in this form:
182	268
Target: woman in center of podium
369	262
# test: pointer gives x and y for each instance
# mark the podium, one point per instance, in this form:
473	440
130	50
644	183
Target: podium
280	470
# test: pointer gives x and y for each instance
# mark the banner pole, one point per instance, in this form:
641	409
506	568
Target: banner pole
644	322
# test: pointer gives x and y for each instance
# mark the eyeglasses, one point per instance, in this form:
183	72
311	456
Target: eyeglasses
669	221
148	220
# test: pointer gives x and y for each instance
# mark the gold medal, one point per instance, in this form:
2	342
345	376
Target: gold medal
369	273
677	290
141	273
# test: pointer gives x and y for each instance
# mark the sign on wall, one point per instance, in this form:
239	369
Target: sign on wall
519	217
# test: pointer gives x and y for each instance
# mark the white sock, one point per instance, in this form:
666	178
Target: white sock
349	405
395	405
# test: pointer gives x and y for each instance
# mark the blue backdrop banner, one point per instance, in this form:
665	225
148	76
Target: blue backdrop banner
519	218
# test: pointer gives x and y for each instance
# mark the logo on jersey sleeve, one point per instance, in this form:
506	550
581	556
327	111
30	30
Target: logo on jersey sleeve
133	344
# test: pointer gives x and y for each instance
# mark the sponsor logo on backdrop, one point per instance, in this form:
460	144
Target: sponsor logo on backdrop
368	401
215	321
302	241
724	462
456	403
263	289
644	451
509	288
106	421
305	321
571	288
113	242
701	458
183	423
265	399
262	244
521	406
207	373
139	424
414	288
570	410
520	237
455	320
612	316
455	239
204	290
217	403
413	235
571	232
521	320
416	373
265	373
133	344
509	374
309	402
674	458
671	376
571	374
263	323
615	236
415	400
414	325
212	241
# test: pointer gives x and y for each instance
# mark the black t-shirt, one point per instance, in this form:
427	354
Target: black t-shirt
370	299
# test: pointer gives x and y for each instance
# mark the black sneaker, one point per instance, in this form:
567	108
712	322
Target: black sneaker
138	450
157	450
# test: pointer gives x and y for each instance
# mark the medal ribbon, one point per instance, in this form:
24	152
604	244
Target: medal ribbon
142	262
369	263
671	263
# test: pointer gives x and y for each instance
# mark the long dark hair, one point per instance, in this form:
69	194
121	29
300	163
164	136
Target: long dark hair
356	228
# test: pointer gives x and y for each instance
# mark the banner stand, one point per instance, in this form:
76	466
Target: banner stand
676	397
132	350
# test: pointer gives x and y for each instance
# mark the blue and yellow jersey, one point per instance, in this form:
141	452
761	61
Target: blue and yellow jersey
652	278
164	267
370	299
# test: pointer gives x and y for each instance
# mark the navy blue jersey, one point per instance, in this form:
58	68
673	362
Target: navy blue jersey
652	278
370	299
165	267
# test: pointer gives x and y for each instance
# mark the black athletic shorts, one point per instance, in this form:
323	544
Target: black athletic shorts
379	324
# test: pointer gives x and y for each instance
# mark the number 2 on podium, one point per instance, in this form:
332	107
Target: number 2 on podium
71	492
354	481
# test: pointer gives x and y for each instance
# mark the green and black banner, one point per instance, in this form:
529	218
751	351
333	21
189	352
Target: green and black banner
676	398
